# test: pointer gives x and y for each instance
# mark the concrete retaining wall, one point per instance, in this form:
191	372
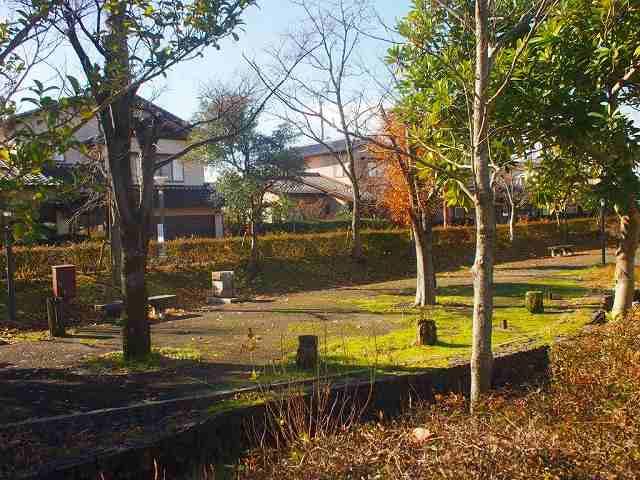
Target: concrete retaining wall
222	437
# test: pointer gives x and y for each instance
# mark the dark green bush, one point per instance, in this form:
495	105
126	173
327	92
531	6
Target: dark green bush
454	247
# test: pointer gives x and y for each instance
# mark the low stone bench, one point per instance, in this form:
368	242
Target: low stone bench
222	288
562	250
110	310
159	303
162	302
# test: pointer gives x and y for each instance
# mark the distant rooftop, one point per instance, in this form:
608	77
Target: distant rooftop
172	126
314	184
330	146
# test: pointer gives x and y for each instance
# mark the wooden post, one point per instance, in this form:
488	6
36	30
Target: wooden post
55	317
446	220
307	356
534	301
607	302
427	332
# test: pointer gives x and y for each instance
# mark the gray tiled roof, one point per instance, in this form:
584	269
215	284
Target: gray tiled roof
314	184
327	147
171	127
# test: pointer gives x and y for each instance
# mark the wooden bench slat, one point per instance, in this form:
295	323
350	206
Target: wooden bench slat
158	302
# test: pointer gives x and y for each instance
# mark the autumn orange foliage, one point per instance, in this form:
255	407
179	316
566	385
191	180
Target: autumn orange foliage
396	197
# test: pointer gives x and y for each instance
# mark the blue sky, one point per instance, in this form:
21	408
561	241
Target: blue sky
264	26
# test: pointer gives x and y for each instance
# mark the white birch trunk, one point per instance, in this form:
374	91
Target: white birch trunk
481	355
425	275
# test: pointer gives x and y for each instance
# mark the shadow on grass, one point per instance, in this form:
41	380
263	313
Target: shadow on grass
514	290
92	336
318	313
42	392
544	267
400	292
440	343
30	393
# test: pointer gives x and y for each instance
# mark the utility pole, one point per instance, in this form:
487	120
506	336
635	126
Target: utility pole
160	181
8	243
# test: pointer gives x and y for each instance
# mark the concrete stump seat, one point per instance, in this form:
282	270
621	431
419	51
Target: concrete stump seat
222	287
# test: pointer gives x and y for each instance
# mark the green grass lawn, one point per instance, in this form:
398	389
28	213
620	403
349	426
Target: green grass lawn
114	362
393	347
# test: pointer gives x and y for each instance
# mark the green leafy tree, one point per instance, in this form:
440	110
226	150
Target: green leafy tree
249	162
557	192
583	68
122	45
456	64
26	40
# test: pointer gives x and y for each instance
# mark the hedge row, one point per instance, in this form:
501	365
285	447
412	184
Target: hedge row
325	226
454	246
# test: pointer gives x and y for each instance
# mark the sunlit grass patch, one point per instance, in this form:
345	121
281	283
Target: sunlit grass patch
239	400
13	336
114	362
398	349
394	346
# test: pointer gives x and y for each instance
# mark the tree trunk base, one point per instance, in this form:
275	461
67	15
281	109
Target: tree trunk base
607	302
534	302
55	317
307	355
427	332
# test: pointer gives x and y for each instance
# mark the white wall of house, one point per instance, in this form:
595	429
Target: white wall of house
189	172
327	166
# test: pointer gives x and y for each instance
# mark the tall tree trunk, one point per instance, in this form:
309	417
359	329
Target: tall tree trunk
252	268
481	355
512	223
116	247
625	261
136	336
425	277
427	226
356	247
445	215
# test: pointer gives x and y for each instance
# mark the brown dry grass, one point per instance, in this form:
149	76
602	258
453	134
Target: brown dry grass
584	425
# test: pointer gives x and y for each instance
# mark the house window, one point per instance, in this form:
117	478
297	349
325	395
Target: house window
174	171
338	171
374	169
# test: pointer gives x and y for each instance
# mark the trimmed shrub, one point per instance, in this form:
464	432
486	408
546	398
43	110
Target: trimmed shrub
453	247
325	226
